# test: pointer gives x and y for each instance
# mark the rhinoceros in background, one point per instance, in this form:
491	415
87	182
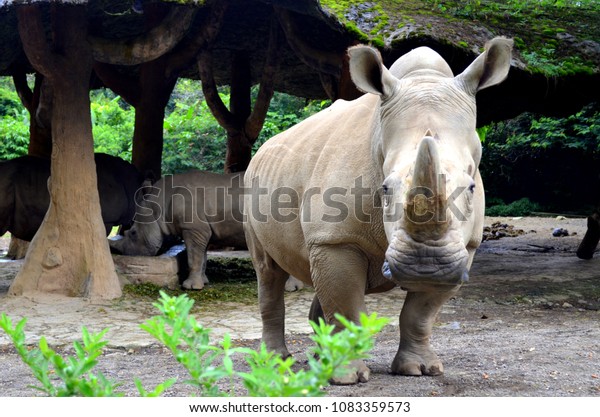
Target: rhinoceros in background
200	207
373	193
25	198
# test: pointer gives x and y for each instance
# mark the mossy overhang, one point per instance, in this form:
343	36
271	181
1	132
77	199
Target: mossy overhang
555	70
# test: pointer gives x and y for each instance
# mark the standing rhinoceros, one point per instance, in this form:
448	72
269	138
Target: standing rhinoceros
24	197
388	180
200	207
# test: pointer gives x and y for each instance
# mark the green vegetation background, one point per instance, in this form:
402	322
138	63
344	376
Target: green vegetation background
553	163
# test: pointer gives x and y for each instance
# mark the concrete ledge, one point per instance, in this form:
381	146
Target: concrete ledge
161	271
171	268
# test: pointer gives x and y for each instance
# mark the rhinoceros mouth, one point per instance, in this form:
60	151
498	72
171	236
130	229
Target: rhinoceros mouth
434	262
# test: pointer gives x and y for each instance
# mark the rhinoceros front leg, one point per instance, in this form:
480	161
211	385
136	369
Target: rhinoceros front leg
196	243
415	356
339	275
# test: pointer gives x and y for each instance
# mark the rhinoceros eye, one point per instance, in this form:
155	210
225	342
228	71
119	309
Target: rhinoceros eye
386	195
472	187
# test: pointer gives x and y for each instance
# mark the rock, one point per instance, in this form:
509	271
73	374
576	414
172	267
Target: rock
567	305
559	232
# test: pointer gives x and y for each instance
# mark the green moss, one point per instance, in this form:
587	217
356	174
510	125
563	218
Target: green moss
534	24
241	292
227	269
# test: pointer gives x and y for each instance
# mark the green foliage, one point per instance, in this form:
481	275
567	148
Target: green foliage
544	61
9	99
521	207
193	139
112	124
14	126
208	365
74	373
14	131
269	375
553	161
330	357
529	133
189	342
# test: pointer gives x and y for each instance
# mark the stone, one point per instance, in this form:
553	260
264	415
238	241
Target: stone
157	270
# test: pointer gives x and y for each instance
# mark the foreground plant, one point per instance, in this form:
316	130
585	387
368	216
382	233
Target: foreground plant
48	367
208	365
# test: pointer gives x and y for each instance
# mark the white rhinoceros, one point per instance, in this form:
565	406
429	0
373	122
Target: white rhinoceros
200	207
388	180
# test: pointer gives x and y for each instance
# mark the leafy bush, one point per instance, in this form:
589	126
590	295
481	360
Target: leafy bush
553	161
14	128
112	124
14	131
522	207
193	139
207	365
74	372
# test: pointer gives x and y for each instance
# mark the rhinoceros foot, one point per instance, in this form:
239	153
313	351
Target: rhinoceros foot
354	373
413	364
195	282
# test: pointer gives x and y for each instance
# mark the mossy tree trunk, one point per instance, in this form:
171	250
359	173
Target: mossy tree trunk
69	255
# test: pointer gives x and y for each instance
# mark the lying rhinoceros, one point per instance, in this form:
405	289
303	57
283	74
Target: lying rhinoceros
25	198
200	207
373	193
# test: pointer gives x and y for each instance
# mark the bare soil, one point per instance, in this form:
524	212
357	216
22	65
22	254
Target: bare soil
527	324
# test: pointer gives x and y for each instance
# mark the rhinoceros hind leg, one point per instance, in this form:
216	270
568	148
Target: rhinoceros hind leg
271	289
415	356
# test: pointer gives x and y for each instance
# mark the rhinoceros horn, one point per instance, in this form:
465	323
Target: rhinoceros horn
426	199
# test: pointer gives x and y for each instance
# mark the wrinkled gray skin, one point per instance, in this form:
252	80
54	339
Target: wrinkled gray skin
25	198
200	207
385	191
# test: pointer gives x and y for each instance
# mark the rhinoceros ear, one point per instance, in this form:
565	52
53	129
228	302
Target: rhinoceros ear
368	72
489	68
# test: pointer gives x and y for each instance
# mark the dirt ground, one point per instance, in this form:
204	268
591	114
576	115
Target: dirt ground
527	324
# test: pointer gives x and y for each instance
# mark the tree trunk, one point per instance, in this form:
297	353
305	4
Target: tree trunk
239	151
39	106
69	255
242	122
154	92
